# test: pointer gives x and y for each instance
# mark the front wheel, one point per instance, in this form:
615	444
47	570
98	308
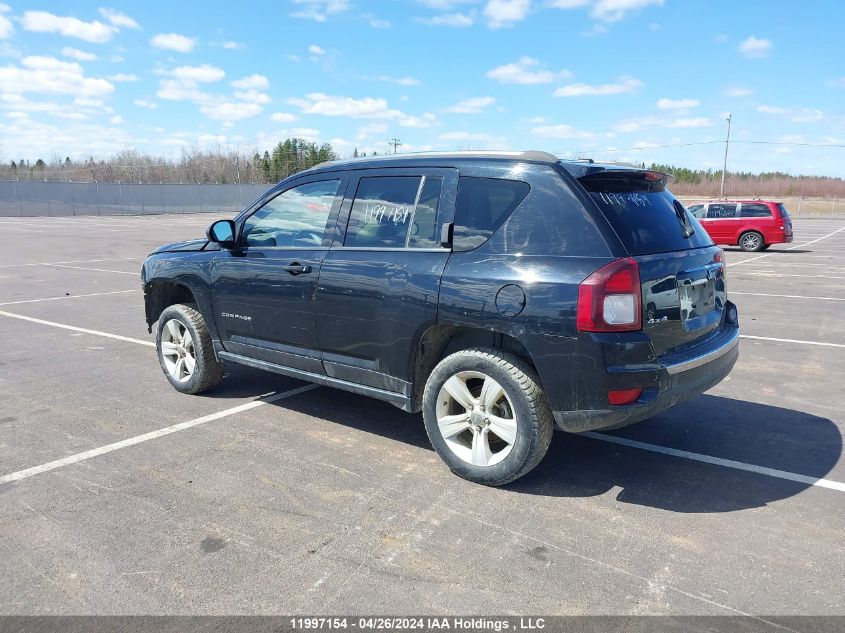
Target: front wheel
487	416
184	349
751	241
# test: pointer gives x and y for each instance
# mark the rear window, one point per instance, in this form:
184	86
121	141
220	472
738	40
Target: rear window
755	211
483	204
644	214
783	211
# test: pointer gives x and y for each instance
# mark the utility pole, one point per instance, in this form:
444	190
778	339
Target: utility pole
725	164
396	143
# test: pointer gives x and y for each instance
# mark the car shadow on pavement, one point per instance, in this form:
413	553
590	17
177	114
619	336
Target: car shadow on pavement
747	432
580	466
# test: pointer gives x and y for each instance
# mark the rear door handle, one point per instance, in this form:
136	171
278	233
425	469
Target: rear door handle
297	269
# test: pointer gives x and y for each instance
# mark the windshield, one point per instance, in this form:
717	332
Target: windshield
644	213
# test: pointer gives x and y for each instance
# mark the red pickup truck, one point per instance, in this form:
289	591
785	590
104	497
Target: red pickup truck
753	225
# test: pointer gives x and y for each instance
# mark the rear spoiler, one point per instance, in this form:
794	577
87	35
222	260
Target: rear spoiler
590	171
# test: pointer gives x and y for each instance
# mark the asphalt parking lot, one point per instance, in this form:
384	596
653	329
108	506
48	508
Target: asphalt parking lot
119	495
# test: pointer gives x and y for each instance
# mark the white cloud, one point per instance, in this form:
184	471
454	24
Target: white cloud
308	133
767	109
695	122
144	103
677	104
50	76
474	105
607	10
624	85
7	29
229	111
75	53
118	19
505	13
836	83
116	119
316	50
211	139
807	115
399	81
45	22
252	82
364	108
252	96
524	71
738	92
445	5
754	47
283	117
173	42
205	73
376	22
366	131
634	125
319	10
615	10
454	20
123	77
232	45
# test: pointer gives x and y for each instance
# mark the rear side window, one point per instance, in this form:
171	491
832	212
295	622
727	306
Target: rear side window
721	211
697	210
784	213
644	213
482	205
755	211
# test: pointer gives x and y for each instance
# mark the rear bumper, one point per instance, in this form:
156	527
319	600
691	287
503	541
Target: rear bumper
677	379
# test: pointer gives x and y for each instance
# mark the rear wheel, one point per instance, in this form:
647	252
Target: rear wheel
751	241
184	349
486	416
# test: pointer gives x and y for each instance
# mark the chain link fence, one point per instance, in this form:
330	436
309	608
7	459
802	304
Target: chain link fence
22	198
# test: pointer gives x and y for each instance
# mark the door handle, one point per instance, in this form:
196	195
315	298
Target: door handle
297	269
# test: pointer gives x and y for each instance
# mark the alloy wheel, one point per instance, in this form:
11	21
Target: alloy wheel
476	418
177	350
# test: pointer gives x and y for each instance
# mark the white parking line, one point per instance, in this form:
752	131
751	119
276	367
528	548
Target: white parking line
73	328
791	340
93	294
72	261
718	461
771	273
791	248
99	270
762	294
146	437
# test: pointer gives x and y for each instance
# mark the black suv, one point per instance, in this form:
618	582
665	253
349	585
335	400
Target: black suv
498	293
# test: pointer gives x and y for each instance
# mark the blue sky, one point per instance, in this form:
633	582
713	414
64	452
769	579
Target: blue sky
610	79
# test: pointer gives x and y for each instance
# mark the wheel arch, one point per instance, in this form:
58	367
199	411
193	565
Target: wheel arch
161	293
438	341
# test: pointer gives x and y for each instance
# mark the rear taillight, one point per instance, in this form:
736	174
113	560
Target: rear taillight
610	300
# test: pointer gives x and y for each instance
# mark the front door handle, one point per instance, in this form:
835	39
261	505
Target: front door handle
297	269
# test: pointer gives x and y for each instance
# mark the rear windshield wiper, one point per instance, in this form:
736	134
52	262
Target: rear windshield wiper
681	214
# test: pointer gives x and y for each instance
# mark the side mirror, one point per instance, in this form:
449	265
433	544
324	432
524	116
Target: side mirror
223	233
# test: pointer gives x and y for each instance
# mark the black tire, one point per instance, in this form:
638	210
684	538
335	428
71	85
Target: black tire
208	371
531	411
751	242
766	247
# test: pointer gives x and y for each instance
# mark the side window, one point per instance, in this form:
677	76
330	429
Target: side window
718	211
424	224
755	211
395	212
483	204
697	210
295	218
